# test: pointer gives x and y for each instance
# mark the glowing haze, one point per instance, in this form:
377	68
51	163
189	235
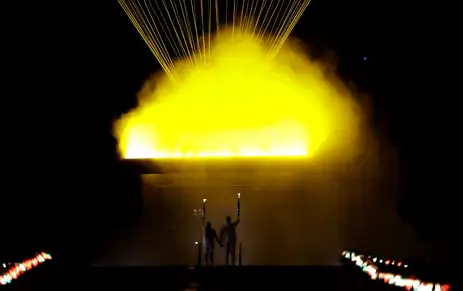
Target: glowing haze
240	103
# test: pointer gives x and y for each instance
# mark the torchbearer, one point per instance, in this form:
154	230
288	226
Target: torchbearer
209	238
228	235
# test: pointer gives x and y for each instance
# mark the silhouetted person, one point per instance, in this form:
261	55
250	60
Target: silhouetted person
209	235
229	230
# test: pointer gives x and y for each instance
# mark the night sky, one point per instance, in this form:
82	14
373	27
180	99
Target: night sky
71	68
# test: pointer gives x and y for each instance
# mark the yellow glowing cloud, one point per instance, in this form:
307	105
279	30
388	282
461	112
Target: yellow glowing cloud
241	103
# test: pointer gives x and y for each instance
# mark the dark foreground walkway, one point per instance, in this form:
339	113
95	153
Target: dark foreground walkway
184	278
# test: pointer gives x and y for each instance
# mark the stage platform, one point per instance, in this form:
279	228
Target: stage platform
241	164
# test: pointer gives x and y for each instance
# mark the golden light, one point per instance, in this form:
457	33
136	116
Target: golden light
241	104
234	86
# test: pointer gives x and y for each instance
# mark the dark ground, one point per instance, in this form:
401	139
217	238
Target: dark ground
220	278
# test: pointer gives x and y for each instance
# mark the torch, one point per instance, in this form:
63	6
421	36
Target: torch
238	205
204	209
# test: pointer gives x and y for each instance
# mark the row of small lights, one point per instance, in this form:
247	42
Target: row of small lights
15	270
388	262
390	278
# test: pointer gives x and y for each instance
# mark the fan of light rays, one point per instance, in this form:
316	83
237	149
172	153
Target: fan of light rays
182	29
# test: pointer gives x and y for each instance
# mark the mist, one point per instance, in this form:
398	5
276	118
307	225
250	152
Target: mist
298	210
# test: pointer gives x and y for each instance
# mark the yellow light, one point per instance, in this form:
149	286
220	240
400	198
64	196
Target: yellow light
240	104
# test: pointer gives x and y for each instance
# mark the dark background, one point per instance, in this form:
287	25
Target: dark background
70	68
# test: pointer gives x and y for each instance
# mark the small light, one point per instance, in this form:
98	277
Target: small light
196	242
204	200
405	266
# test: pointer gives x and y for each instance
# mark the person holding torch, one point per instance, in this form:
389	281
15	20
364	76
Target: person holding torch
228	233
209	236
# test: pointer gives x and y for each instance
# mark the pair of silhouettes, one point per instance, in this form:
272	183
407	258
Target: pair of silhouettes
227	239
